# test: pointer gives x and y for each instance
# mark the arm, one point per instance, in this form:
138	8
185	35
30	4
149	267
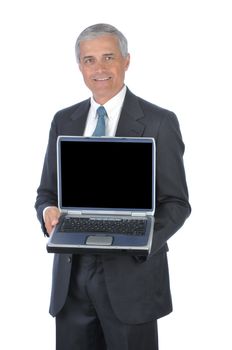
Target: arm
47	191
172	206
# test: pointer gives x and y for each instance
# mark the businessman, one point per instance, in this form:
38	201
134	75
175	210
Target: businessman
110	301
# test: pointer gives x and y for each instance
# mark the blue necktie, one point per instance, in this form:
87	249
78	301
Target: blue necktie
100	129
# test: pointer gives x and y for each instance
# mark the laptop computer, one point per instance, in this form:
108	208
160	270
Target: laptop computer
105	182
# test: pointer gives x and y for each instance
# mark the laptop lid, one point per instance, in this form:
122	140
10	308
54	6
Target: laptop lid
103	175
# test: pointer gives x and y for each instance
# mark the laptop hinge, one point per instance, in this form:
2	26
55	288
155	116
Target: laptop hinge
138	214
86	212
74	212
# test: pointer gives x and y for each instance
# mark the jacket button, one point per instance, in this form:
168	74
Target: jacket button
69	259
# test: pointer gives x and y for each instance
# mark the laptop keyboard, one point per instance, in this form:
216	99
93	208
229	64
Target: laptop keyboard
119	226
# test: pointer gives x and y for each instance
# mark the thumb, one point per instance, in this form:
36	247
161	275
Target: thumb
54	221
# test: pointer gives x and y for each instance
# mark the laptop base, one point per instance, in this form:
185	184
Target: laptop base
92	250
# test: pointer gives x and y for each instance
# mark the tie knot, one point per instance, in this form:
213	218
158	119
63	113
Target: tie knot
101	112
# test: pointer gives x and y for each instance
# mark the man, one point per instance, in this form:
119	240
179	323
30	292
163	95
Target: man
113	302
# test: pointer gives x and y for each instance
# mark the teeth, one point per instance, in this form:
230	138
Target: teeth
101	79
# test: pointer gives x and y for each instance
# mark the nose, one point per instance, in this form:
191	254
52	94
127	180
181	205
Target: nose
99	65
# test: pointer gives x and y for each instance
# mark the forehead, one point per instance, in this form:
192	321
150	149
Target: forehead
100	45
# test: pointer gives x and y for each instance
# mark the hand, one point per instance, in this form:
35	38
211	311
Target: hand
51	218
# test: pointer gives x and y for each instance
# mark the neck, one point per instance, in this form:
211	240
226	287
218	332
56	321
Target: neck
103	99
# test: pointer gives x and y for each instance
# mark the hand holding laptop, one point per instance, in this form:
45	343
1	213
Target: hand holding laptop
51	218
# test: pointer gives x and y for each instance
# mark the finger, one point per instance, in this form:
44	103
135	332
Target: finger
54	220
50	224
51	218
48	227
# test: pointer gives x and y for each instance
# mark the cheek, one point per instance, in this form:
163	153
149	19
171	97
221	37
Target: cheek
85	72
121	74
88	82
86	77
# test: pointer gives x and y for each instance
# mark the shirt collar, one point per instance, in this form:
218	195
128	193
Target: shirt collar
113	103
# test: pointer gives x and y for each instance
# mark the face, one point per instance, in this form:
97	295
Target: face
103	67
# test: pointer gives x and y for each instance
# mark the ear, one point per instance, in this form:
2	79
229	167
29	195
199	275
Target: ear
127	61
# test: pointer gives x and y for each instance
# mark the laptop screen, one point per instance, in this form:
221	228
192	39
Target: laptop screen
106	173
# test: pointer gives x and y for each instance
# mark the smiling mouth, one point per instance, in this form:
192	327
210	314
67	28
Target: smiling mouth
101	79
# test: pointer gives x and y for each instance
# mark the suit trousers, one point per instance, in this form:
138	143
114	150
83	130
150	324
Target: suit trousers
87	320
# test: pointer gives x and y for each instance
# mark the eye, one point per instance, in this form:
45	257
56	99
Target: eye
88	60
109	57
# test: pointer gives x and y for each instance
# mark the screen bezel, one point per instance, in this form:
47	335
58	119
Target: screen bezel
64	138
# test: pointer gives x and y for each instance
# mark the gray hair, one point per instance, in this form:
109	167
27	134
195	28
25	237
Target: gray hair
101	29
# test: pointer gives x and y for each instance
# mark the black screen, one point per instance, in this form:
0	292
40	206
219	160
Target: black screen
106	175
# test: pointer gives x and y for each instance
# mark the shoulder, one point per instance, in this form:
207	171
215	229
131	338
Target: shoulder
145	105
151	112
72	111
153	108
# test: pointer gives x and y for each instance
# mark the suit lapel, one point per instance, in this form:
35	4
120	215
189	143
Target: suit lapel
79	118
131	119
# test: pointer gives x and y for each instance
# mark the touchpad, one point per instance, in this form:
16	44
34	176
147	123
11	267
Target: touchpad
99	240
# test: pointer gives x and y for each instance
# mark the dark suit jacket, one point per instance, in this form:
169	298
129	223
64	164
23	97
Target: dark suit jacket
139	291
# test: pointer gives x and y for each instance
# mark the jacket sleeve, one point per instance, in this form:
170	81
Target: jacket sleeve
47	190
172	205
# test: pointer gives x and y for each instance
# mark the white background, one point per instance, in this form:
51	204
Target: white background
181	60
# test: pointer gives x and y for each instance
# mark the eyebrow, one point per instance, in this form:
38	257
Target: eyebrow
83	58
105	54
